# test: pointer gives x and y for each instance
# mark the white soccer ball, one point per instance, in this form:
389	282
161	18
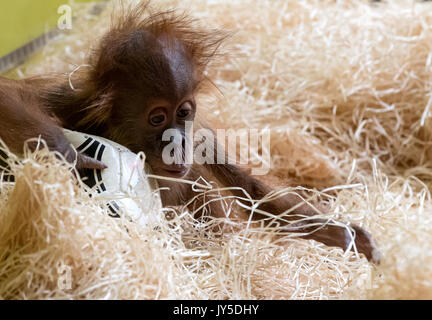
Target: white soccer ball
123	185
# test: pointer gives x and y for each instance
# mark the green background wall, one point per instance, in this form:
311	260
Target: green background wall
24	20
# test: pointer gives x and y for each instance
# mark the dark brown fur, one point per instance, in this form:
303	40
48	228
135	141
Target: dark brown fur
144	66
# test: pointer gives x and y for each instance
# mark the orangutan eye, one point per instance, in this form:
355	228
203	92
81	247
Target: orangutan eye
157	118
184	110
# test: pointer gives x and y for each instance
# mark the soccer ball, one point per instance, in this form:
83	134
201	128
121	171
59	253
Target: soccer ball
123	186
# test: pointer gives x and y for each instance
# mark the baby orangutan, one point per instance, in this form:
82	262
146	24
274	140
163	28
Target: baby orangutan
141	81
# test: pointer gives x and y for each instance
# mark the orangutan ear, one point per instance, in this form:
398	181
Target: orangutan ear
100	108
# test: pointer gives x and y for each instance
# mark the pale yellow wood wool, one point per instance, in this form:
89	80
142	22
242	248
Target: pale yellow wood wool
345	87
